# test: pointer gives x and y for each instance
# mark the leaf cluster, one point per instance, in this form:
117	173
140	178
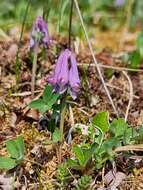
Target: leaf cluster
15	149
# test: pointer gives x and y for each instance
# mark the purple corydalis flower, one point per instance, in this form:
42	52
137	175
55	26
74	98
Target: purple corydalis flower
65	76
119	3
39	33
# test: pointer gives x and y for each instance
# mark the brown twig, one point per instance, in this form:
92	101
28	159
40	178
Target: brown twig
23	94
138	147
131	94
112	67
94	59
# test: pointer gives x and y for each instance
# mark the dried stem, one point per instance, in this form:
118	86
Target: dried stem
131	94
94	59
111	67
138	147
34	68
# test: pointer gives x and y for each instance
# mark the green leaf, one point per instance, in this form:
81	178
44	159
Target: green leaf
73	164
53	99
12	149
7	163
135	60
101	120
40	105
20	144
56	136
139	43
47	93
118	127
37	104
16	148
128	136
45	104
49	97
79	154
88	153
110	144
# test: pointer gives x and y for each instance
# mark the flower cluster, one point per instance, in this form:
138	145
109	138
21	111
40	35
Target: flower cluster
39	33
65	76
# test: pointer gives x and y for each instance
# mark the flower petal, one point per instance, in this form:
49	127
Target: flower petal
74	80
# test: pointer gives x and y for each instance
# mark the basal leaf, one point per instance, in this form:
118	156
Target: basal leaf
7	163
73	164
37	104
139	43
53	99
79	154
47	93
20	145
16	148
101	120
56	136
12	149
135	59
88	152
40	105
118	127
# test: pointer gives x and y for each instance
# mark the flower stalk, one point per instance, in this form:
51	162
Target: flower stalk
39	36
34	68
63	111
70	23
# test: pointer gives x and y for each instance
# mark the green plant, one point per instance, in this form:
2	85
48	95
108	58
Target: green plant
62	173
111	136
47	101
15	149
83	183
83	157
134	59
104	137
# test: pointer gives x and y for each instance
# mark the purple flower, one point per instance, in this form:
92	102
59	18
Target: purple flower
65	76
119	3
39	33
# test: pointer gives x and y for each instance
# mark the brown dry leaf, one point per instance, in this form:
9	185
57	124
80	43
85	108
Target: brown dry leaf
51	167
34	114
114	180
6	183
12	51
13	119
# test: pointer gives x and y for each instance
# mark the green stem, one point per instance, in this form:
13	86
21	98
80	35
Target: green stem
17	67
70	23
63	111
60	16
34	68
